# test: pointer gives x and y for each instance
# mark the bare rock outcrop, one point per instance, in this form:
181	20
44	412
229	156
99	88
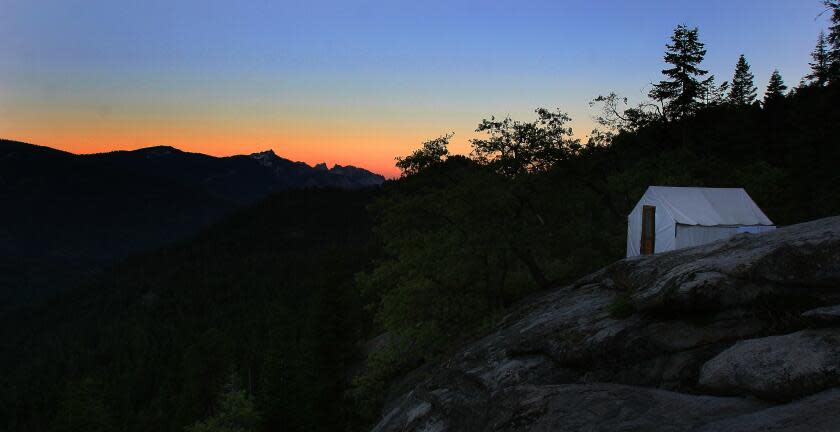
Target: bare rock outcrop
827	314
674	341
777	367
817	413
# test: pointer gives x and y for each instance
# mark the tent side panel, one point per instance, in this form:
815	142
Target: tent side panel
695	235
756	229
632	232
665	226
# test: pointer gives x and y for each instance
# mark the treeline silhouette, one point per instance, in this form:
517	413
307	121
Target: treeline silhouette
261	323
532	207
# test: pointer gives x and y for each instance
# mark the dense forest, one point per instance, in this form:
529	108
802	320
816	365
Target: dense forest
265	296
303	311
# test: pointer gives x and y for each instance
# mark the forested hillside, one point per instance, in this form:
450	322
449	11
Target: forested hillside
260	322
533	207
65	216
267	295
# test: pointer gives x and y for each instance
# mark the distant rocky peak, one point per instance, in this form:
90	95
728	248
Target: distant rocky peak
157	151
266	158
348	169
265	154
319	174
359	176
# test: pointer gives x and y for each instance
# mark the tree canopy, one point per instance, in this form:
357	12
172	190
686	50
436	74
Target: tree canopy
431	152
833	41
743	91
775	89
513	147
681	90
235	411
820	66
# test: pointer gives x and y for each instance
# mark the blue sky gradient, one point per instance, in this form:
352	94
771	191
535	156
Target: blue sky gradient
352	82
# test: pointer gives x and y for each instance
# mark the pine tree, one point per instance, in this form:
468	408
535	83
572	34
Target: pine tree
775	89
820	67
833	54
713	94
681	93
743	91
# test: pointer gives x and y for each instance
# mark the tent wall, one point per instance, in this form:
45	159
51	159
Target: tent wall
709	206
688	217
756	229
696	235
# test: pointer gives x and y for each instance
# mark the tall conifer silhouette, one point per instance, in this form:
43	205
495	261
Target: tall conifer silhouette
820	66
833	41
743	91
681	91
775	89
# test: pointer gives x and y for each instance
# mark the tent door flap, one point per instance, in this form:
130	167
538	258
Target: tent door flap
648	230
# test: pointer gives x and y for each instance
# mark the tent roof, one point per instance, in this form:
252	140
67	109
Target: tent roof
709	206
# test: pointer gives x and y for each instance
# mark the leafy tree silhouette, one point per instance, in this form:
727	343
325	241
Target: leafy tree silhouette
430	153
514	147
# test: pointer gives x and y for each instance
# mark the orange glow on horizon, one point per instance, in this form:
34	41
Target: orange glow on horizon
332	138
364	147
303	150
371	150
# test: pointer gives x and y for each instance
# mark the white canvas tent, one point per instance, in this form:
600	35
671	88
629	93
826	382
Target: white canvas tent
668	218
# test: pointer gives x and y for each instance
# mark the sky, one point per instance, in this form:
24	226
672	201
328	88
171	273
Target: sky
352	82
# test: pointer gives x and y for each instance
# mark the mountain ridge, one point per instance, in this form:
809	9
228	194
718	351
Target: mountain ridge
74	213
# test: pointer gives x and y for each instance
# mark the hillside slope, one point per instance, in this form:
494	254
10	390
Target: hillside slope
737	335
266	293
66	215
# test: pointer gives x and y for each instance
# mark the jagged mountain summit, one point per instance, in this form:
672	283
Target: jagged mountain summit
66	214
738	335
347	177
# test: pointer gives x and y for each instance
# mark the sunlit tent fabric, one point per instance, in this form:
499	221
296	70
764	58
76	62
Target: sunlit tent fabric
680	217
